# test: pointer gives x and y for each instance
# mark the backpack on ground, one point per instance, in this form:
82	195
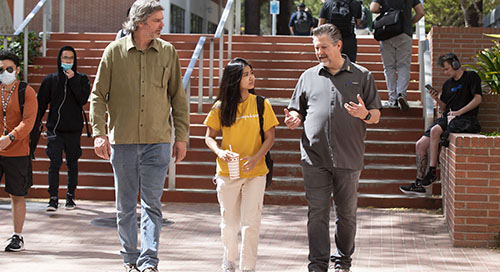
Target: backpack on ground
302	24
340	15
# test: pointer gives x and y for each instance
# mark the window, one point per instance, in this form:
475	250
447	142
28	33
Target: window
176	19
211	28
196	24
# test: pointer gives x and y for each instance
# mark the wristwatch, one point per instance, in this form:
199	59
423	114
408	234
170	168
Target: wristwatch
11	137
368	116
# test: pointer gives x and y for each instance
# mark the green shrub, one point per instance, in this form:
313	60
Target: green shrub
488	67
16	46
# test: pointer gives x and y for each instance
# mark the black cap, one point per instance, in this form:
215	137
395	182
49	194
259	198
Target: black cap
302	5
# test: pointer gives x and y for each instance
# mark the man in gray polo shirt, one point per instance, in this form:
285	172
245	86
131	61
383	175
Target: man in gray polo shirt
334	101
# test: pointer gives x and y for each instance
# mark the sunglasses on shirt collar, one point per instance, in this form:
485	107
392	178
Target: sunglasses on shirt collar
9	69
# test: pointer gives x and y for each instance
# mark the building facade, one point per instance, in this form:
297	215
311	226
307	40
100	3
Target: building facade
181	16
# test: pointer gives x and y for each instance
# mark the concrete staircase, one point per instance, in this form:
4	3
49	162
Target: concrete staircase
278	62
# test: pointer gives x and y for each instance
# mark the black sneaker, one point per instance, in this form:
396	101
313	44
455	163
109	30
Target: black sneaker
70	203
429	178
16	244
131	268
53	204
403	104
413	189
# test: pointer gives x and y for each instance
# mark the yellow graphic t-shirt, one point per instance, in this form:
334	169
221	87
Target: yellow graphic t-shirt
244	134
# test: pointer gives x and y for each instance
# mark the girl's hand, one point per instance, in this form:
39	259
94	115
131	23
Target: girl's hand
250	163
227	155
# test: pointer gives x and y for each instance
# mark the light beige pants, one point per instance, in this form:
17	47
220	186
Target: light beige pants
241	201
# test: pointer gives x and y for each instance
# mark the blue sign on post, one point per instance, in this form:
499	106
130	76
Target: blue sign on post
275	7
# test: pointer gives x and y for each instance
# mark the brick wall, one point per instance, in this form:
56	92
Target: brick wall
470	178
465	42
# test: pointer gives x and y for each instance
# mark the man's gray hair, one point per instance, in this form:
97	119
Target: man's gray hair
332	31
140	12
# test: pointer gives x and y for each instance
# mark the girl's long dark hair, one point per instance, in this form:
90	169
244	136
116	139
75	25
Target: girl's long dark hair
229	90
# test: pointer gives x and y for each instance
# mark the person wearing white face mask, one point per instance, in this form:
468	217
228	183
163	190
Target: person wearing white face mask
15	129
66	91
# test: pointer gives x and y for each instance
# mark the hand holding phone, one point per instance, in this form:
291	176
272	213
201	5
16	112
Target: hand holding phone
433	92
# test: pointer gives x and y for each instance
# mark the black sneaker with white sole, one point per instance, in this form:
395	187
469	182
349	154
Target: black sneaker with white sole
429	178
413	189
53	204
403	104
70	202
16	244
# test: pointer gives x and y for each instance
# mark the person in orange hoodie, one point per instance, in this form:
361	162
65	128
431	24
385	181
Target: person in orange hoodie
15	128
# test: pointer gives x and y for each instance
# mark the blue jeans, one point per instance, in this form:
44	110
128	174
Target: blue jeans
139	167
319	184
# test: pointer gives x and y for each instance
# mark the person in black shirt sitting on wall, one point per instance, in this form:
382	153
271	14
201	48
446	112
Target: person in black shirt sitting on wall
459	100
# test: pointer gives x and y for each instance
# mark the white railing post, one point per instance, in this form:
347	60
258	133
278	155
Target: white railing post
200	82
61	15
211	71
237	24
25	52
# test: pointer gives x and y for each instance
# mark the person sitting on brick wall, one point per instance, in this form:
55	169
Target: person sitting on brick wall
460	98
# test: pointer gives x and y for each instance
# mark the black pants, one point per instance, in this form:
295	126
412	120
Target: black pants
70	144
350	47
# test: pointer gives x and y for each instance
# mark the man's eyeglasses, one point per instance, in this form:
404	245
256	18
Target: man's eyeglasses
9	69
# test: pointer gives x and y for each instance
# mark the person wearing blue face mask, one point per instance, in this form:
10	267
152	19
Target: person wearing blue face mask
66	91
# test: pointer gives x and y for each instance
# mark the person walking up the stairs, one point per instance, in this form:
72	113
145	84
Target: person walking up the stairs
396	51
66	91
344	14
334	101
301	22
15	159
139	84
241	197
459	103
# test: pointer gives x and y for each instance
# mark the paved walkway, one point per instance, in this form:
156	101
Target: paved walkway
387	240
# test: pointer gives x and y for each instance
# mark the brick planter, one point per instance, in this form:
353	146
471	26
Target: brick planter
470	178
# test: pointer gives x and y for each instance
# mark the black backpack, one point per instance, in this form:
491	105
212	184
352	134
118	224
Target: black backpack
269	161
35	133
340	15
302	24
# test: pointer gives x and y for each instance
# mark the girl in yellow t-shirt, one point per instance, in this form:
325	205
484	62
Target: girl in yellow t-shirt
235	114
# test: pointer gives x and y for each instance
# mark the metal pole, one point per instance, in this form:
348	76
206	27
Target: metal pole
221	54
230	34
200	82
5	42
211	71
237	24
274	25
45	25
26	54
61	15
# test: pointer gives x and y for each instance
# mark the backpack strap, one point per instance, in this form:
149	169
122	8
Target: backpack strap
260	110
21	95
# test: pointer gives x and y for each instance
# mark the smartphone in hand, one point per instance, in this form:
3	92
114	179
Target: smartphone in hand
429	87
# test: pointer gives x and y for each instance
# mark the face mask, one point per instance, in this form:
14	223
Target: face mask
7	78
66	66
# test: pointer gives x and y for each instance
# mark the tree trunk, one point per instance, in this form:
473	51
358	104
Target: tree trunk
473	14
252	17
284	17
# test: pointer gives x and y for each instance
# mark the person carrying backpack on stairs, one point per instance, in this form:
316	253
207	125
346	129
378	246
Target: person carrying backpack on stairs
301	22
66	91
14	143
343	14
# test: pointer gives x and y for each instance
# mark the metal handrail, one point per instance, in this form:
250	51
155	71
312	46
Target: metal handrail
24	28
425	73
197	54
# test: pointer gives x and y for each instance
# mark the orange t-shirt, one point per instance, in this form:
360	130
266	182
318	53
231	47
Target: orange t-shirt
17	125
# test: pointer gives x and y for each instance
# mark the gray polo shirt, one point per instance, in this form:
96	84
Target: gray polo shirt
332	138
